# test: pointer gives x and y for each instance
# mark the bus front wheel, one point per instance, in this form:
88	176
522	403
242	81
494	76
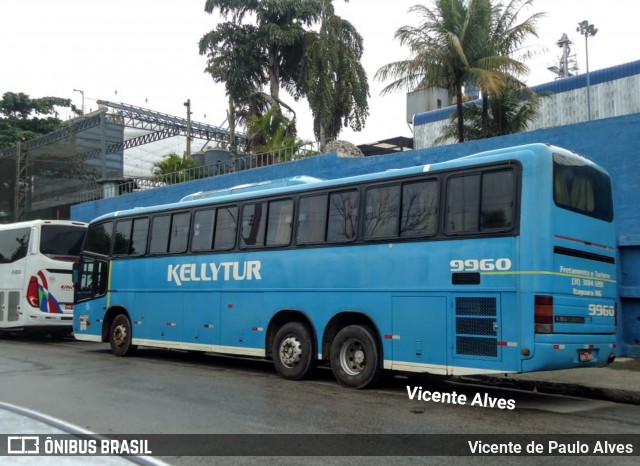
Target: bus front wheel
292	351
120	336
355	357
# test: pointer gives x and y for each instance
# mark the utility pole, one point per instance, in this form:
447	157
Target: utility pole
22	184
587	30
82	94
188	105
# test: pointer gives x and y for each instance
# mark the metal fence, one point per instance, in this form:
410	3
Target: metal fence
95	191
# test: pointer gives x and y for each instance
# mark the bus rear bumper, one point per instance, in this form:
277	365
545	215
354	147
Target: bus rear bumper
555	352
49	319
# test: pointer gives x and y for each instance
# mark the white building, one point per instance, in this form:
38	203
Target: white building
614	91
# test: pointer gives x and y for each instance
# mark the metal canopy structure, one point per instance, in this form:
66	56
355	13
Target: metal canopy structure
47	171
161	126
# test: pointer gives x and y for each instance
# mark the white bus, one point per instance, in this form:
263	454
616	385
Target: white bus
36	287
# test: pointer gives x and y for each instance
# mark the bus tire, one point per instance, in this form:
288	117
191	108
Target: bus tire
355	358
292	351
120	336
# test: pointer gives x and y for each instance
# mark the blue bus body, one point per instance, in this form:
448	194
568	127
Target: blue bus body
536	291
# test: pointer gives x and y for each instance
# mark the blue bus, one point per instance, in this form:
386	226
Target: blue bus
499	262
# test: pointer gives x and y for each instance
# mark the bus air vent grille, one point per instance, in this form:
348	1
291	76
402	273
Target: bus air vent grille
476	331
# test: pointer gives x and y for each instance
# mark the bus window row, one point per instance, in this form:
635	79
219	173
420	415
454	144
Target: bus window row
476	202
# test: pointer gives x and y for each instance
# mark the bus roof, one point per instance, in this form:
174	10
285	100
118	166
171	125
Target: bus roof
301	183
252	187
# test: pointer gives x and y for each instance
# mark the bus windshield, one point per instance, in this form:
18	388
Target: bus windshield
61	241
582	188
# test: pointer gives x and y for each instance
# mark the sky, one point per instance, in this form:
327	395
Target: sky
145	53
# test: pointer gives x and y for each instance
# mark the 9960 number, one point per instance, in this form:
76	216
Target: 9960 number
480	265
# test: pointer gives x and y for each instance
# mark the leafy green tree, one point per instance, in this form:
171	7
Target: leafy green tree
335	81
449	50
175	169
234	59
276	31
23	118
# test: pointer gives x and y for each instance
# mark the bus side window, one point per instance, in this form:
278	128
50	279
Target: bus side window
279	223
122	238
497	210
463	202
202	235
226	225
382	212
99	238
160	234
14	245
253	225
139	236
312	219
343	216
179	238
419	209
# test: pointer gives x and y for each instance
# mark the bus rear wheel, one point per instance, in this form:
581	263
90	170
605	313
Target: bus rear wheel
292	351
355	357
120	336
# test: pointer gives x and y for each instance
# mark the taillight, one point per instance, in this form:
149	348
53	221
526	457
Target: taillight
543	311
33	296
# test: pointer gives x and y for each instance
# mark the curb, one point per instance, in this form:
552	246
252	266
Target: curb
558	388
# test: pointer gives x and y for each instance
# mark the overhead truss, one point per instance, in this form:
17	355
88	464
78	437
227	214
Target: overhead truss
159	126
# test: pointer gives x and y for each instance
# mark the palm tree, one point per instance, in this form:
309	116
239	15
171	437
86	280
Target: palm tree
449	49
335	81
505	39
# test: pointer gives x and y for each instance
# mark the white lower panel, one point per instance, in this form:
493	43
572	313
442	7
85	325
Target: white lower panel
85	337
200	347
439	369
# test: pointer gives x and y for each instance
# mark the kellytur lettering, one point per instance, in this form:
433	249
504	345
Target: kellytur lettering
212	271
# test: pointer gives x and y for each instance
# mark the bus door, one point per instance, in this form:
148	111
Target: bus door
10	308
420	330
477	331
91	280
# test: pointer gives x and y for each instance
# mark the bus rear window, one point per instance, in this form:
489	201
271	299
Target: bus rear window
61	240
582	188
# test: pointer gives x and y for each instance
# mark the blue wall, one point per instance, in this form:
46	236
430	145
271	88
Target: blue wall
613	143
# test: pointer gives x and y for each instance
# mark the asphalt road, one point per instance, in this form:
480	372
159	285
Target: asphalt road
171	392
